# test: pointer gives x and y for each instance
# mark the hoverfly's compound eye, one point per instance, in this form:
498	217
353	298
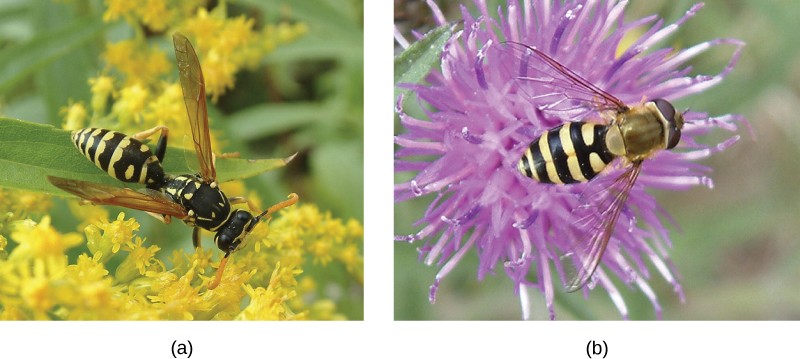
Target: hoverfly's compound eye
674	120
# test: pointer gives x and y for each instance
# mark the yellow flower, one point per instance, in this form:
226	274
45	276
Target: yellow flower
138	63
203	27
275	35
138	260
114	235
87	214
41	241
75	115
179	299
324	237
102	88
37	293
168	108
354	229
131	104
224	46
321	251
350	256
19	204
118	8
270	303
156	15
325	309
87	269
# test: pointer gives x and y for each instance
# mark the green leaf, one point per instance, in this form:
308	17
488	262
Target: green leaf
18	62
30	152
416	61
272	118
64	79
338	175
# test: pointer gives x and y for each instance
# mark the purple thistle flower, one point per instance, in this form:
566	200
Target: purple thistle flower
486	115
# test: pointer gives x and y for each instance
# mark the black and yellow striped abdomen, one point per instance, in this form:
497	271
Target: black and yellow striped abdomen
121	156
571	153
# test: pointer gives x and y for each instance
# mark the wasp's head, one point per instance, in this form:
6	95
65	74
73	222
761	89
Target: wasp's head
230	236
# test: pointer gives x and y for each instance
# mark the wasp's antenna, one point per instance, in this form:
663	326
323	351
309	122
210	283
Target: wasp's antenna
277	207
221	269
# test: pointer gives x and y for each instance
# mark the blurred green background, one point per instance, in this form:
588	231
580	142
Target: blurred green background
305	97
737	252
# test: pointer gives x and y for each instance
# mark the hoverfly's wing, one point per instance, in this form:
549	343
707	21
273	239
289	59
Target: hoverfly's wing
596	224
194	95
555	87
148	200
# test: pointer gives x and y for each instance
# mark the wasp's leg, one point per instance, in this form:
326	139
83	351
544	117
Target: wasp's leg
237	200
163	218
161	147
196	237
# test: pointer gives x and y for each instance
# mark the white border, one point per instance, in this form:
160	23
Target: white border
378	335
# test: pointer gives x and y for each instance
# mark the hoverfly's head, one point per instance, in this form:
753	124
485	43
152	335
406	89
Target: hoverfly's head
674	121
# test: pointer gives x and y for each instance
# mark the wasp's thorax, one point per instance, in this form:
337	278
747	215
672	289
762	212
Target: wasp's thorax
641	131
207	206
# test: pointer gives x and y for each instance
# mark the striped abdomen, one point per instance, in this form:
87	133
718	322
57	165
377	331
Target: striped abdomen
123	157
571	153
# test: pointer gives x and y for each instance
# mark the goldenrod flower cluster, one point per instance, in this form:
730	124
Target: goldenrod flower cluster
18	205
140	88
263	281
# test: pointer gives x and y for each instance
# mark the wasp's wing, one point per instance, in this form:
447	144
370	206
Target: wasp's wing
597	226
194	95
551	84
149	200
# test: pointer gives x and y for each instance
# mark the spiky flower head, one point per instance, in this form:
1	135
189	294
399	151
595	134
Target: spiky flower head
481	118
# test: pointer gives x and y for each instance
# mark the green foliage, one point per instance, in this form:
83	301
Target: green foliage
417	60
322	78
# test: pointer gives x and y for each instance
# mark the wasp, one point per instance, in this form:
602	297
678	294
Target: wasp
195	199
576	152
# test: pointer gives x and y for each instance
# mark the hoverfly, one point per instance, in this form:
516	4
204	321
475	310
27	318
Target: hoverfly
576	152
196	199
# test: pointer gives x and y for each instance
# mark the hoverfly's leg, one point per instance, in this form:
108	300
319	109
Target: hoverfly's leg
196	237
237	200
161	147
